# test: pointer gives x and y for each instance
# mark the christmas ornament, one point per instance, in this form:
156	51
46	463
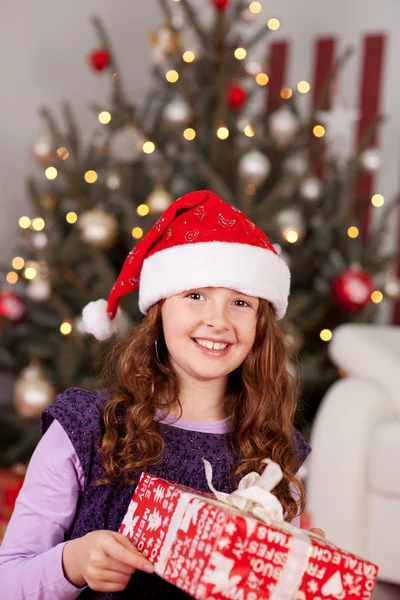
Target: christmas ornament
220	5
253	67
100	142
159	200
99	59
339	125
237	96
12	307
296	165
125	144
352	289
43	149
254	167
177	112
113	180
32	391
311	188
98	228
370	160
40	240
283	125
293	337
291	224
39	289
391	288
164	43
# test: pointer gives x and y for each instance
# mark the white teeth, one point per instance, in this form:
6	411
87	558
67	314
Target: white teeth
211	345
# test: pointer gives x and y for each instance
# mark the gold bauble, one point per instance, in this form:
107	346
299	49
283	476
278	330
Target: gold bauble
159	200
98	228
32	391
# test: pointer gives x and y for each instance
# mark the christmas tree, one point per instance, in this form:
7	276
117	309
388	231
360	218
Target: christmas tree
204	124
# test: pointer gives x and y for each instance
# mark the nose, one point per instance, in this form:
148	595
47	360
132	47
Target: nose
217	318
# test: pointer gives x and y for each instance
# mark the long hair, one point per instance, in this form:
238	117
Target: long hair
261	397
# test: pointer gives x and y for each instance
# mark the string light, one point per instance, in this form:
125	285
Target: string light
189	134
303	87
255	7
148	147
286	93
66	328
172	76
51	173
18	263
353	232
30	273
188	56
12	277
142	210
319	131
90	176
273	24
376	297
71	217
38	224
62	153
222	133
262	79
325	335
249	131
250	189
104	117
377	200
24	222
137	233
240	53
291	236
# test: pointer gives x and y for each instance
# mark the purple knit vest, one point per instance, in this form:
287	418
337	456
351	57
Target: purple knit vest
103	507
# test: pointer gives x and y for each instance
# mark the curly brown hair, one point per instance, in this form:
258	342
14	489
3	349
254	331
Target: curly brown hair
261	397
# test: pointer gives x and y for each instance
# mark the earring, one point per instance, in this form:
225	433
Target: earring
157	354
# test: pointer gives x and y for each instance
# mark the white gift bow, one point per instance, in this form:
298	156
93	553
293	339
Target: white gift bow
253	495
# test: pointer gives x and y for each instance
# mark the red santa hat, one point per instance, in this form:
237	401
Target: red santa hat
199	241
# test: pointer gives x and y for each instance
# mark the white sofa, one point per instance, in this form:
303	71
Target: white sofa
354	469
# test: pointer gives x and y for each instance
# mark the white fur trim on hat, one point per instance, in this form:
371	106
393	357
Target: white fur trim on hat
248	269
97	322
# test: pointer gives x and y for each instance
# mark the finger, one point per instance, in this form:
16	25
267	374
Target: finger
319	532
110	564
128	555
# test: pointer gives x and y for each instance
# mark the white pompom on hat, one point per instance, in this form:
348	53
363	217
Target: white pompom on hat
199	241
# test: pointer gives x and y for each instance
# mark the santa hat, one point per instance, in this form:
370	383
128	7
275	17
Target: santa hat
199	241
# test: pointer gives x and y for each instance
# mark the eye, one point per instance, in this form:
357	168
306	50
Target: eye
195	296
241	303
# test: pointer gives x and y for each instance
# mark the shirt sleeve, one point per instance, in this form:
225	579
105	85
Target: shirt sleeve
31	552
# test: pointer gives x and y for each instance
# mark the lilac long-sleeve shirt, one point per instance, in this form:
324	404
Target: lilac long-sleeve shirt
31	552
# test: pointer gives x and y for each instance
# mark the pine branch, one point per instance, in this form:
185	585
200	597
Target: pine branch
195	23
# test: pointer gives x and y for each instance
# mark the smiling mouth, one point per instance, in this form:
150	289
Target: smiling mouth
211	345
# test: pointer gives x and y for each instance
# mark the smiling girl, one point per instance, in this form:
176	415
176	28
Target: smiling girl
204	375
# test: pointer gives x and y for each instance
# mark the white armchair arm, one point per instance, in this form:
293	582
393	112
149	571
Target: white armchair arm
338	465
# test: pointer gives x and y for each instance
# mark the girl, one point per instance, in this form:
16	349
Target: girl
204	375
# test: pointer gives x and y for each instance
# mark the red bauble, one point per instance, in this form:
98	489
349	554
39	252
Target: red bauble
99	59
12	307
352	289
237	96
220	5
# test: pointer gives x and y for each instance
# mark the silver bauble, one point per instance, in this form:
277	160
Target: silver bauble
283	125
32	391
311	188
296	165
291	219
39	289
43	149
254	167
113	180
391	288
159	200
98	228
125	144
177	112
370	160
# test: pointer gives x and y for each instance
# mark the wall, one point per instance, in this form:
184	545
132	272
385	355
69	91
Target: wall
44	49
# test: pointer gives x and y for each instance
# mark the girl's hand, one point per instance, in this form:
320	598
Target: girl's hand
103	560
319	532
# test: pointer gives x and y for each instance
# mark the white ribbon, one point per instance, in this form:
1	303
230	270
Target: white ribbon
253	495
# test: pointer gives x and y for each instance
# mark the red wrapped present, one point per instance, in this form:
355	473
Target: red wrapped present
10	485
238	546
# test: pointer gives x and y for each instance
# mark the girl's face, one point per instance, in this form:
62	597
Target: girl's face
209	331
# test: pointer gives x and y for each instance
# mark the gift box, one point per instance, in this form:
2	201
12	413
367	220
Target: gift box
238	546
